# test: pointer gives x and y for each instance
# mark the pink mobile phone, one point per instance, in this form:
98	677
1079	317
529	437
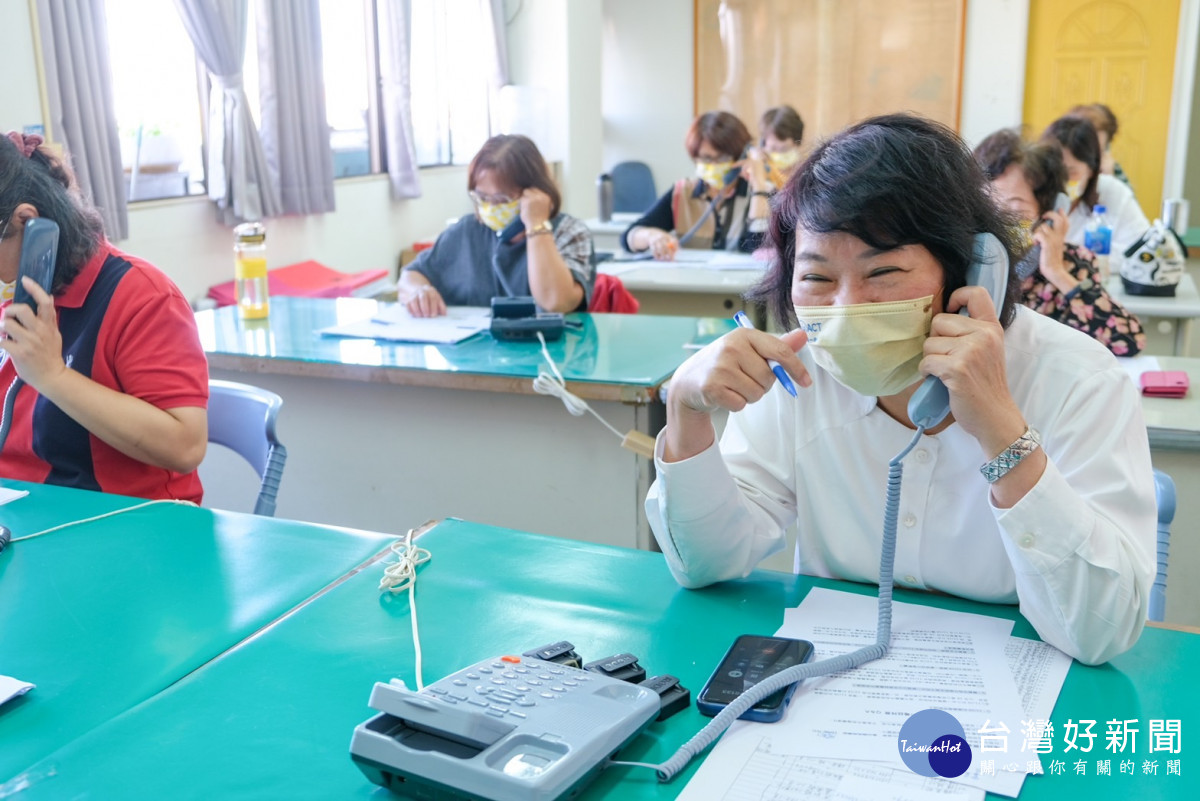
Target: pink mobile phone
1165	383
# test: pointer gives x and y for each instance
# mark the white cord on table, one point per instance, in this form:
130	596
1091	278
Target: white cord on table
555	386
401	575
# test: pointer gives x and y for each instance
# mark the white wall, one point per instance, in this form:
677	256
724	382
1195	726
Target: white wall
993	91
648	85
20	103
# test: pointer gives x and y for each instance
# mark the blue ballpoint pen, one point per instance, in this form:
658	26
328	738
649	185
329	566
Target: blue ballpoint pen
743	321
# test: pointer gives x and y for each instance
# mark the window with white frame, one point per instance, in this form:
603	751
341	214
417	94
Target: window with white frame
159	110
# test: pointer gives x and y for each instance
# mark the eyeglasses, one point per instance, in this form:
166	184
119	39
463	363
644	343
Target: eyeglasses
491	200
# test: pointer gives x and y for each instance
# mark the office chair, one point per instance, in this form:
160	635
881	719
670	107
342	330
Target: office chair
1164	493
242	418
633	187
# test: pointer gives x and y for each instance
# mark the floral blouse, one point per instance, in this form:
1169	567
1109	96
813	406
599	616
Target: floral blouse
1092	311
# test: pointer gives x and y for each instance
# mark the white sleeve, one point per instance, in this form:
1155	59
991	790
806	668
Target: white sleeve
1081	542
721	512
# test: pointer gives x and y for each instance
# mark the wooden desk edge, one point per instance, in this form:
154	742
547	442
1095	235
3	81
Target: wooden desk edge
1174	627
375	374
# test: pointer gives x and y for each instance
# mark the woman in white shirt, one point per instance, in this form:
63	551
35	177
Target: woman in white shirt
1088	187
874	235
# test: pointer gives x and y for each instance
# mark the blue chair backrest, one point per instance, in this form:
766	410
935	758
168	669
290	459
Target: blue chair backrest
242	418
1164	493
633	187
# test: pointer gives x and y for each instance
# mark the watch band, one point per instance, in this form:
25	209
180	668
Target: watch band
544	227
1011	456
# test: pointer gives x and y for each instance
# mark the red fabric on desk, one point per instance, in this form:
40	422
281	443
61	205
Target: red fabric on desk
610	295
307	279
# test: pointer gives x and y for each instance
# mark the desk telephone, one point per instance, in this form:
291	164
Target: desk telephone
506	728
523	728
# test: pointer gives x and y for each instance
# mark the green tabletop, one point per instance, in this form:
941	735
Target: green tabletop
628	349
273	717
106	614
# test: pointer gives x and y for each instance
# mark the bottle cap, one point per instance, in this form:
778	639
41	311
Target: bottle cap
1100	209
250	232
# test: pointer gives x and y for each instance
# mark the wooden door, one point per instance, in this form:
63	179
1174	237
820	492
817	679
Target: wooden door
1118	53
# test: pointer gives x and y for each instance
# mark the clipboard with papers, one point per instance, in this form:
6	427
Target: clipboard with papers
393	323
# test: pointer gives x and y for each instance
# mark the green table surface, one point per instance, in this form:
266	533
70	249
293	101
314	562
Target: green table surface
106	614
633	349
273	717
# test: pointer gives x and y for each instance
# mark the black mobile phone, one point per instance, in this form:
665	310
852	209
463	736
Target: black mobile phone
748	661
39	253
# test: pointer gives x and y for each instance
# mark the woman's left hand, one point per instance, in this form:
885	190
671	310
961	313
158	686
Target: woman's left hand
33	341
967	354
535	207
754	170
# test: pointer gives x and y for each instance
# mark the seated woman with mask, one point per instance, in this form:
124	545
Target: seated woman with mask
1057	279
872	241
725	210
468	265
1088	187
113	382
778	151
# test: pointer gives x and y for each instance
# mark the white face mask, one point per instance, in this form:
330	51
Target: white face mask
1074	190
874	349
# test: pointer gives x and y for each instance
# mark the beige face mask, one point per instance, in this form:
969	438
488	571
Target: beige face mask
871	348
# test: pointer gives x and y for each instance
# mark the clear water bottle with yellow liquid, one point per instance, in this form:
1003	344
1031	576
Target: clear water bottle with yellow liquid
250	270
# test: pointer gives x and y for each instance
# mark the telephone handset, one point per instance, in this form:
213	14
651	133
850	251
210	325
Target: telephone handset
510	231
1029	264
930	404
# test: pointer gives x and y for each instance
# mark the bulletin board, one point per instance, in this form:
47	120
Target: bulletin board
834	61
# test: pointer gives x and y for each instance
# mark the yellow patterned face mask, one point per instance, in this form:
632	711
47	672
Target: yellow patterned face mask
1025	232
713	172
7	288
1074	190
784	160
498	215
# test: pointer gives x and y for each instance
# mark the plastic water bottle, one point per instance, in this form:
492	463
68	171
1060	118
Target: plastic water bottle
250	270
1097	237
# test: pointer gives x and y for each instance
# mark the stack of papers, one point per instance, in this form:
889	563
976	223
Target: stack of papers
840	736
395	324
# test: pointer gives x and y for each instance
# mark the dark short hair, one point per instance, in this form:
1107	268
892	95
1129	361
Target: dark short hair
1077	135
782	122
891	181
722	130
1041	164
516	160
46	182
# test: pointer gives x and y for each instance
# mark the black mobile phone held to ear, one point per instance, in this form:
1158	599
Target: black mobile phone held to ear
39	253
751	659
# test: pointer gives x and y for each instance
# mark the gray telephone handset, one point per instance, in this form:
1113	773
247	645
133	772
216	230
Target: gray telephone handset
930	404
512	728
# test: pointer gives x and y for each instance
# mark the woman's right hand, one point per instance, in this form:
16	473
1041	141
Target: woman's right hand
729	374
661	243
422	301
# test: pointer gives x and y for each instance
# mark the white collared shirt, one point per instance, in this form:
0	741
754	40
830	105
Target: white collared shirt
1122	212
1077	552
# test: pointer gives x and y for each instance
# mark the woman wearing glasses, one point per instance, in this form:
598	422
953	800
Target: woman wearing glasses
474	260
724	207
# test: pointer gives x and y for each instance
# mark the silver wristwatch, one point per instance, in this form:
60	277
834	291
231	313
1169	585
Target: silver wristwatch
1011	456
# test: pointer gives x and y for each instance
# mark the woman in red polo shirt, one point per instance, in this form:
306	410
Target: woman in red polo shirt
113	383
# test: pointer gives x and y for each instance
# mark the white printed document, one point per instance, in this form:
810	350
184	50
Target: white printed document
394	323
965	664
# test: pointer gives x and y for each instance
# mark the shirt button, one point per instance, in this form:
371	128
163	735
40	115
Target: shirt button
1027	540
910	520
910	580
921	455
